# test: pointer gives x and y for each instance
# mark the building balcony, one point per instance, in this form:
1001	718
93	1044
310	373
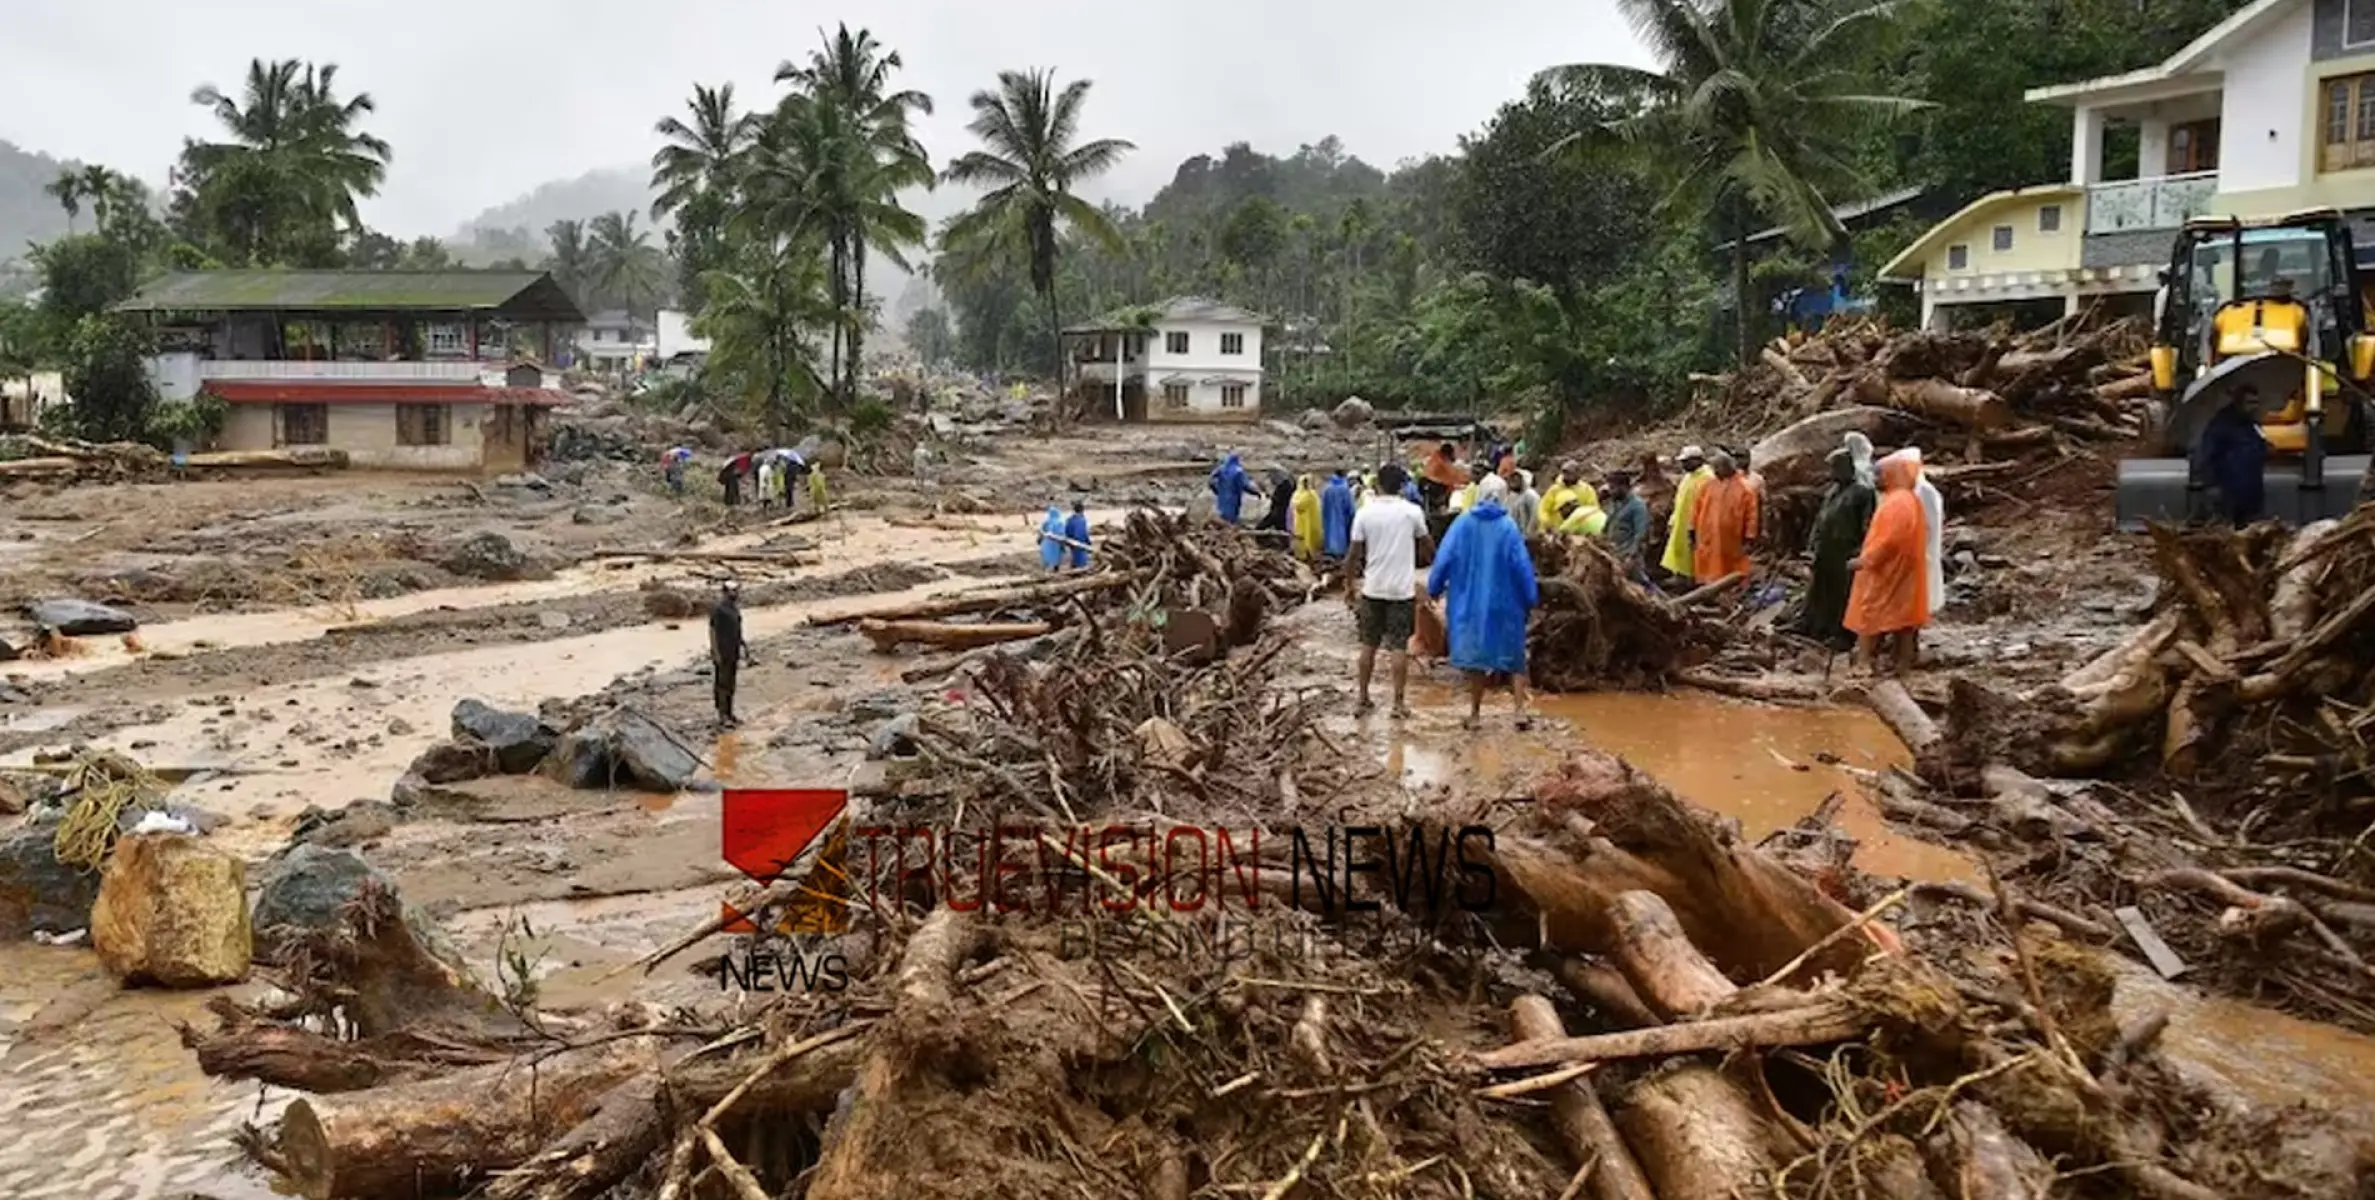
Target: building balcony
460	370
2163	202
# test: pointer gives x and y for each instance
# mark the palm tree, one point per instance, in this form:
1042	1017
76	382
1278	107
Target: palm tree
1752	108
1030	165
624	266
700	157
295	161
756	316
570	260
67	190
851	135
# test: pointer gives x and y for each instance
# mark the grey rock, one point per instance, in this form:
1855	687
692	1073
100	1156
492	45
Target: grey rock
81	618
489	555
1354	412
621	749
878	705
36	890
453	761
1312	420
359	822
597	514
519	740
553	618
307	887
894	738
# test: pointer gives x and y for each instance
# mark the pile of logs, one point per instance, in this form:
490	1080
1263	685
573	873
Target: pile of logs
1595	629
26	456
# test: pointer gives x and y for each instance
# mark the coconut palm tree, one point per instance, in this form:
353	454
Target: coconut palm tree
1751	108
571	260
857	150
624	267
67	190
701	156
757	316
294	161
1030	162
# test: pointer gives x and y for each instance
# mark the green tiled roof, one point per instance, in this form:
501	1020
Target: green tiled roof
531	293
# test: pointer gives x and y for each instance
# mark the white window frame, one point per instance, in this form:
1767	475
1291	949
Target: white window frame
454	332
1232	343
1176	341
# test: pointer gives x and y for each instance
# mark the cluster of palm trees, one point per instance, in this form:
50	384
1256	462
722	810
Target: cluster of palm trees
777	210
608	263
282	184
108	192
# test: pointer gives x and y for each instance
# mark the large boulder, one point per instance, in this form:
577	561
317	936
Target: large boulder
307	888
1312	420
1353	412
819	451
172	911
37	892
519	740
455	760
490	555
621	749
81	618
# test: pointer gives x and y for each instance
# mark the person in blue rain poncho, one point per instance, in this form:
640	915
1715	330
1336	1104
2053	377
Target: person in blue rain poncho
1230	486
1077	529
1335	516
1051	551
1484	566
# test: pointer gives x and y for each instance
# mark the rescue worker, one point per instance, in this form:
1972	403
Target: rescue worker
768	481
1282	504
1933	514
1628	525
1839	529
1890	599
727	651
2231	455
1579	519
816	488
1308	523
1336	509
1568	486
1230	487
1693	463
1076	529
1485	568
1525	504
1723	522
1051	551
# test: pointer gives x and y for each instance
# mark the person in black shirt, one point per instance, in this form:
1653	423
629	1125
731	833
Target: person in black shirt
727	650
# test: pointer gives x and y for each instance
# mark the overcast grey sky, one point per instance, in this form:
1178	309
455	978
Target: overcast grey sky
485	99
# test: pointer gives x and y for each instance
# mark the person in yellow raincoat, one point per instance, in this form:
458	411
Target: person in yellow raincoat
1693	462
1582	518
1306	514
1568	486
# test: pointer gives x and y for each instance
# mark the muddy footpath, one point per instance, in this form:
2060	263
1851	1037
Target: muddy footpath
1753	839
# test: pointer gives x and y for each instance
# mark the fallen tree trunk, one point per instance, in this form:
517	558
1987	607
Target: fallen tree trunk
1972	408
1579	1117
890	635
1797	453
1976	1158
1826	1020
850	1165
1028	596
2292	608
438	1134
1903	713
1663	966
1698	1136
1607	990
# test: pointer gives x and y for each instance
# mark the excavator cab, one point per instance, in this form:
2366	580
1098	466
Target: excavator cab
2272	312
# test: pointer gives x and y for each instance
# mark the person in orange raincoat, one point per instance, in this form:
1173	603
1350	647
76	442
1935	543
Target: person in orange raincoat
1891	596
1723	522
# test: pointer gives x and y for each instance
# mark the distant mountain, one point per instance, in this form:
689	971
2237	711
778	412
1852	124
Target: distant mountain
27	214
517	228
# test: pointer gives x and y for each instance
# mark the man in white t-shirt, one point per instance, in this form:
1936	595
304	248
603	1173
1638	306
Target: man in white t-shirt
1386	534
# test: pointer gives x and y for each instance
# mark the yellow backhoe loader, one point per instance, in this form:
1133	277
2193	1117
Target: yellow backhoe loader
2271	308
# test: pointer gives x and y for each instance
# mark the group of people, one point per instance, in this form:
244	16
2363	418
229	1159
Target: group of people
776	475
1065	540
1878	550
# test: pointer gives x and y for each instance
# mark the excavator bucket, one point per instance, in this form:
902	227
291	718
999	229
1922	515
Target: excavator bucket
2276	377
2160	489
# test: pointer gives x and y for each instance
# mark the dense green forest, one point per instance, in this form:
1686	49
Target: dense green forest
1569	254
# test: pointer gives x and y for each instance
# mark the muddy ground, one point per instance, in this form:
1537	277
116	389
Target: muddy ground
304	639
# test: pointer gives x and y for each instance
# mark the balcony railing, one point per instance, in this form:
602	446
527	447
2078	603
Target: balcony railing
375	372
2164	202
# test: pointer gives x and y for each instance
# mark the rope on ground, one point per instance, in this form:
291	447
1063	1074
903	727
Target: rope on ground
103	784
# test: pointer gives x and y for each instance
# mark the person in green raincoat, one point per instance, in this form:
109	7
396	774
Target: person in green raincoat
1838	537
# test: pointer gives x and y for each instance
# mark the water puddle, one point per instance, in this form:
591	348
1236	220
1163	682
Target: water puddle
1763	765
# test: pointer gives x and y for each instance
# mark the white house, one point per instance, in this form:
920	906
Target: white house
615	342
2271	111
1184	359
675	336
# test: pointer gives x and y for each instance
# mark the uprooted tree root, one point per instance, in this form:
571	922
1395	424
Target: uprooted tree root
1596	629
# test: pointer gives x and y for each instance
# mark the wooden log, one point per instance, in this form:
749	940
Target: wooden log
1027	596
33	468
1783	367
862	1134
291	1056
1976	1158
1579	1117
1698	1136
1903	714
624	1130
2146	642
1972	408
1607	990
2121	391
1796	454
440	1134
2292	607
890	635
1663	966
1813	1024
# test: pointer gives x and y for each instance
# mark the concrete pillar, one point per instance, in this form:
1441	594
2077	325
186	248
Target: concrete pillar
2086	146
2152	150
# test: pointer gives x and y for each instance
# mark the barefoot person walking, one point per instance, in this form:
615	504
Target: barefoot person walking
1485	567
1386	534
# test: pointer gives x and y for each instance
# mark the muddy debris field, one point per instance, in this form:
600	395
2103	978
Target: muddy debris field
369	836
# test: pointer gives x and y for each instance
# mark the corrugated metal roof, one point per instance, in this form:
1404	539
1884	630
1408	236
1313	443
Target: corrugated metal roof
531	292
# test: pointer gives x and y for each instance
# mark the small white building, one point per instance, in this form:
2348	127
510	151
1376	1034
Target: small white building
615	342
1187	358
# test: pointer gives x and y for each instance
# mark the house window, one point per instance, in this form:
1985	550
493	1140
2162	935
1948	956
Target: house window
2049	219
2001	240
448	339
424	425
1958	258
1175	342
1232	343
2193	146
1232	395
2358	23
2349	123
303	424
1175	394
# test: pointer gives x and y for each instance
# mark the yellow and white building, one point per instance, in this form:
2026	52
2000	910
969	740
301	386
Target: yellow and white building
2270	112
